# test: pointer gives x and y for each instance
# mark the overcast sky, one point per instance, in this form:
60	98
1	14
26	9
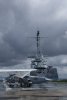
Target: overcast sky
20	20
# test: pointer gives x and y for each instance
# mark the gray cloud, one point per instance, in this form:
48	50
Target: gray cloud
20	19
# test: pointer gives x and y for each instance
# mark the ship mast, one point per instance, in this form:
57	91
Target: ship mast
38	62
38	44
39	58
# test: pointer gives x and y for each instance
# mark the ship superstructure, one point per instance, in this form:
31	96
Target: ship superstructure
39	63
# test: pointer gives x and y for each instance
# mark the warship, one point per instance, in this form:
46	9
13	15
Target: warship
39	63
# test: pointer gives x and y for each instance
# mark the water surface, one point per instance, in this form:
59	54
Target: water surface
47	88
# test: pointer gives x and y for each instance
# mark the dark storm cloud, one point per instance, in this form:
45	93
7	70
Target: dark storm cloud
20	19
